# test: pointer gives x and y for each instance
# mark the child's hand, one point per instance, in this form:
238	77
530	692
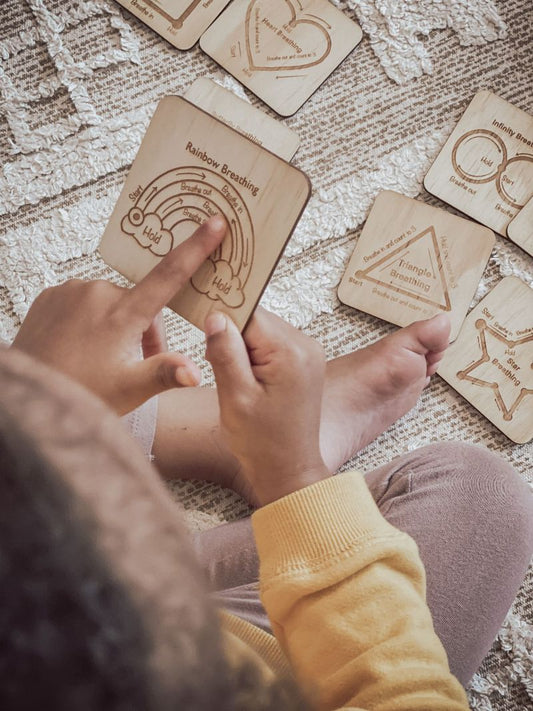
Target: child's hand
270	389
93	331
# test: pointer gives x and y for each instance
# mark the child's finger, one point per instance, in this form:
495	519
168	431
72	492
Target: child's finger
154	375
154	339
163	282
267	334
227	353
266	329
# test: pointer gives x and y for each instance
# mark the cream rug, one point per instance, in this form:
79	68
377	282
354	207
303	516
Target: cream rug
79	81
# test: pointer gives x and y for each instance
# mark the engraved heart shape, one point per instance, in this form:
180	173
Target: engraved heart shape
278	39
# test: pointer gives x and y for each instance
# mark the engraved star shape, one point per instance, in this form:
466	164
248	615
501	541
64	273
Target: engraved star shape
495	371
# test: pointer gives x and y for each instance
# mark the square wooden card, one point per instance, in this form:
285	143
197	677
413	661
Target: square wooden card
520	229
413	261
244	118
189	167
281	49
485	168
180	22
491	363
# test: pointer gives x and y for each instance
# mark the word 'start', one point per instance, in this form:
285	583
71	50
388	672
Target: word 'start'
520	229
491	363
485	168
281	49
413	261
244	118
181	22
190	166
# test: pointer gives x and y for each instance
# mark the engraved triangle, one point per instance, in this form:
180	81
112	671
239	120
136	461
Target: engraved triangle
413	269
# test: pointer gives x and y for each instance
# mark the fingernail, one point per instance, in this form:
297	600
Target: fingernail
215	323
185	377
218	223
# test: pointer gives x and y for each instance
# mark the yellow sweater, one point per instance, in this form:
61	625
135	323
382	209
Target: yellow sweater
345	593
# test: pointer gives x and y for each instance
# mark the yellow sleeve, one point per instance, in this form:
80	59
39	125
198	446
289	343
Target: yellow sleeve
345	593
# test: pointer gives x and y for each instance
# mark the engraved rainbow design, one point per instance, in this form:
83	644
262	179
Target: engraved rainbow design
174	204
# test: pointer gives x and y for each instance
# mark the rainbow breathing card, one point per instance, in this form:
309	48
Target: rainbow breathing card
189	167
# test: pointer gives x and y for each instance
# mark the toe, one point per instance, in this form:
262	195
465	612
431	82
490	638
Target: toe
433	359
428	337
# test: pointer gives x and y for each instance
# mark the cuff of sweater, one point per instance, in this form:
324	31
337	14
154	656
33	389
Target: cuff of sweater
318	522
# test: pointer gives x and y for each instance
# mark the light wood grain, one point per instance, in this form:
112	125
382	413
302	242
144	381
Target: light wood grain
485	168
413	261
244	118
281	49
520	229
191	166
491	362
180	22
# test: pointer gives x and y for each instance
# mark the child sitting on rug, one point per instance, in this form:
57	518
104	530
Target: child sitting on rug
321	594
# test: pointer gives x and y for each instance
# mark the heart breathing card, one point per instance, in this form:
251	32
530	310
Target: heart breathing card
282	50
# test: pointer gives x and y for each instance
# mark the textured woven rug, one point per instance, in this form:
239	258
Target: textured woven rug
79	81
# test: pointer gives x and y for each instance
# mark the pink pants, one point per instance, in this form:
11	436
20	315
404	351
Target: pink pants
472	518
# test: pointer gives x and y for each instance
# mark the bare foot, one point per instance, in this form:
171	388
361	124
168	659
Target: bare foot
366	391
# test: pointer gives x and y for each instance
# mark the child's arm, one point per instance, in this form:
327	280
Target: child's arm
345	593
343	588
94	331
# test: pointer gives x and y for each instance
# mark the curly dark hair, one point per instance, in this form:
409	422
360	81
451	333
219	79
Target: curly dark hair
76	630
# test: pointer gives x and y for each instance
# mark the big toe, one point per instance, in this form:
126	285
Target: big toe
427	337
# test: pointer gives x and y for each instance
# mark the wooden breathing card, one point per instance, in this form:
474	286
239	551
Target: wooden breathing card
413	261
520	229
189	167
485	168
180	22
491	362
244	118
282	50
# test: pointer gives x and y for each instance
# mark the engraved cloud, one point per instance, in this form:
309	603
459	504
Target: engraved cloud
148	231
217	281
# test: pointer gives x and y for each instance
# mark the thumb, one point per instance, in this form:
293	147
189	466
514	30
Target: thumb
151	376
227	353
